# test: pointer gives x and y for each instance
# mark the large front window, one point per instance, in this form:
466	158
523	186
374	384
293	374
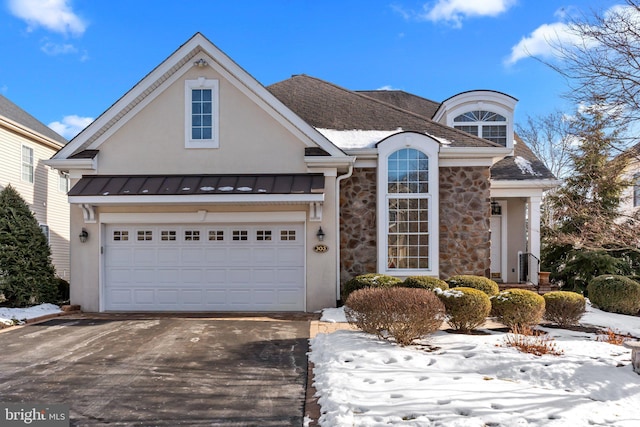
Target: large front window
485	124
408	210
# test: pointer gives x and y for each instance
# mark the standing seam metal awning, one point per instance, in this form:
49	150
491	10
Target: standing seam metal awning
176	185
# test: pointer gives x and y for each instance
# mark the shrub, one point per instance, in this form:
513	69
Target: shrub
564	308
466	308
371	280
518	308
27	275
425	282
63	290
487	286
617	294
402	313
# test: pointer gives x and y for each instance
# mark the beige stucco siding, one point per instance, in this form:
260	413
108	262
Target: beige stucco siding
43	196
153	140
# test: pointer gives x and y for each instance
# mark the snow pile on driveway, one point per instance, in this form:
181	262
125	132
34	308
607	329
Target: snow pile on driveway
8	315
474	380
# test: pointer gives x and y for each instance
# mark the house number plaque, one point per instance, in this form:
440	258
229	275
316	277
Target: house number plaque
321	248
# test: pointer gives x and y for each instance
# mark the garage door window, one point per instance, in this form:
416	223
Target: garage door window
239	235
120	235
216	235
145	235
287	235
262	235
192	235
167	235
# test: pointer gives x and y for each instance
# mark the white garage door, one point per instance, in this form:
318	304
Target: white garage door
204	267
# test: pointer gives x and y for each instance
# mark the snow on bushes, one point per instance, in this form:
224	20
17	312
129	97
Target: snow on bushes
466	308
402	313
425	282
564	308
371	280
518	308
616	294
487	286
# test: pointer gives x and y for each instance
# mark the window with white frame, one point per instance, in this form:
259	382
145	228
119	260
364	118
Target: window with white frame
408	226
485	124
63	182
27	164
201	113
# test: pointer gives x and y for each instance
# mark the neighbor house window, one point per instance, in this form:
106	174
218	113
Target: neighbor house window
27	164
63	182
201	113
408	201
45	230
485	124
636	190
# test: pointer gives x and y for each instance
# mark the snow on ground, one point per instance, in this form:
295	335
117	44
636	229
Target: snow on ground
474	380
8	314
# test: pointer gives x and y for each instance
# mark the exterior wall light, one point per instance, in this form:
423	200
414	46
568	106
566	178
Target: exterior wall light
200	63
320	234
84	235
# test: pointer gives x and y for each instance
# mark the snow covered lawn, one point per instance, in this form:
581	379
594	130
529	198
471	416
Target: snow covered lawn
7	315
474	380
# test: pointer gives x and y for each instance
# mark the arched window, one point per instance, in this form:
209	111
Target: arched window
408	205
485	124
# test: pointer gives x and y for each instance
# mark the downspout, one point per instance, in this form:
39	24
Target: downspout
338	180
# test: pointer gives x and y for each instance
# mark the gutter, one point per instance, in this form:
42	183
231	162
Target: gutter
338	181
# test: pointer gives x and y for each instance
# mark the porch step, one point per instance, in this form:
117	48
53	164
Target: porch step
542	289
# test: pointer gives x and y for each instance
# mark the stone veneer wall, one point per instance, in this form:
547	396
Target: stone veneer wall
358	236
465	222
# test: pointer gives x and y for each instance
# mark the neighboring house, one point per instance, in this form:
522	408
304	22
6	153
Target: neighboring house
630	199
202	190
24	144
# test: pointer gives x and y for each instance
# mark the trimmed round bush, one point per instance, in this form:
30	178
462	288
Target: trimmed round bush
564	308
402	313
371	280
466	308
616	294
518	308
487	286
425	282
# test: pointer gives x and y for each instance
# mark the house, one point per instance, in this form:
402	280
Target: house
630	198
25	144
202	190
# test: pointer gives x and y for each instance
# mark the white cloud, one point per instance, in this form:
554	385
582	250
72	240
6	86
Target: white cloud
455	11
54	15
387	87
54	49
70	126
541	42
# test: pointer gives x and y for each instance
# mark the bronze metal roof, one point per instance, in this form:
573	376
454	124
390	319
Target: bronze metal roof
171	185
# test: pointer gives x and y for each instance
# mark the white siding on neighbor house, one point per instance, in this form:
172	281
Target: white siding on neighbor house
43	196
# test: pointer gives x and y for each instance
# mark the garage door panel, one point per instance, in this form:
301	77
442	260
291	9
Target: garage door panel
204	267
192	256
145	256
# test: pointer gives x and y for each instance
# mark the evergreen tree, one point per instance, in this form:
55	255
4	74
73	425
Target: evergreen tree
587	235
27	275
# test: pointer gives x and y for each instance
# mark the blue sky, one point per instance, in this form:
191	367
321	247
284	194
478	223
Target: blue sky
67	61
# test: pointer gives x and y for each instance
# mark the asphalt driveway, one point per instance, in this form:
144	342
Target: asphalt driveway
160	371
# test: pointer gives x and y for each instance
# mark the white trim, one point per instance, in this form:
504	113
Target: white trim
503	239
88	213
69	164
199	217
198	199
544	184
202	83
430	147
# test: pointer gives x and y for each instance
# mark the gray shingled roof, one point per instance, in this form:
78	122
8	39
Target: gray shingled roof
12	112
516	167
327	106
406	101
